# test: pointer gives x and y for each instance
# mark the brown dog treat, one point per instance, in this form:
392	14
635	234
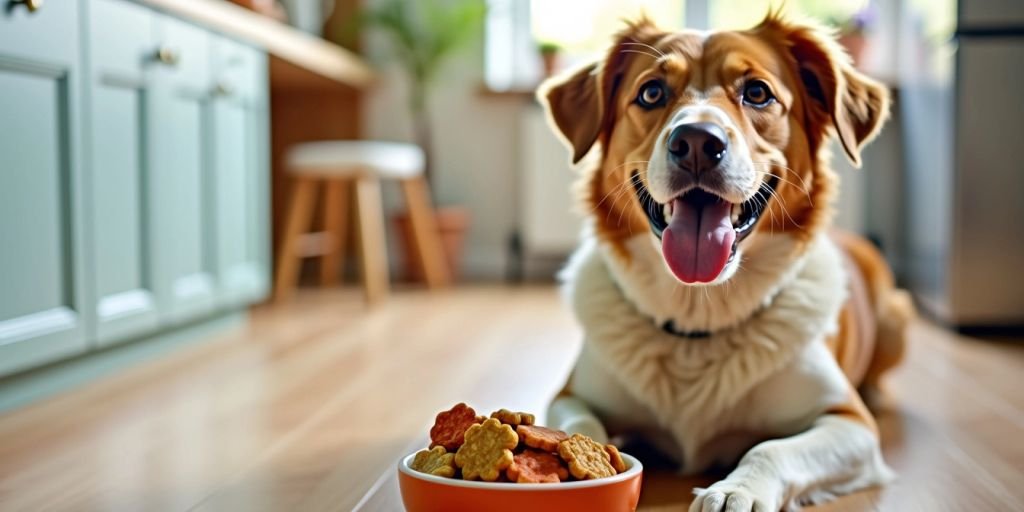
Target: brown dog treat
487	451
587	458
481	418
435	461
450	427
541	438
513	418
535	467
615	458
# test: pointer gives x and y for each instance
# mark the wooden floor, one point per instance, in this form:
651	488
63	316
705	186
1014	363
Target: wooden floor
310	406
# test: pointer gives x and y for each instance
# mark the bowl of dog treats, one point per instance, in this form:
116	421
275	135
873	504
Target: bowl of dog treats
506	463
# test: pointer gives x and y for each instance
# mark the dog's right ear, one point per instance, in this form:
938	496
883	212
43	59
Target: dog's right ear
576	107
580	102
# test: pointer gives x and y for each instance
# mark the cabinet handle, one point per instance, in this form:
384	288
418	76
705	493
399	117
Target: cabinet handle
31	5
224	89
167	55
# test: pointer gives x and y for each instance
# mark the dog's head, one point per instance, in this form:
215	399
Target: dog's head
711	140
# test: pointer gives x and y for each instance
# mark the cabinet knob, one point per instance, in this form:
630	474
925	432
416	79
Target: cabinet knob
167	55
31	5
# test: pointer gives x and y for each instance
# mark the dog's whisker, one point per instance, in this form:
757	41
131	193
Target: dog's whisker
803	183
623	164
785	210
638	43
651	55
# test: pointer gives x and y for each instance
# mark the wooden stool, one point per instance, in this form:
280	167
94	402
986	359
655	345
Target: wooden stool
338	166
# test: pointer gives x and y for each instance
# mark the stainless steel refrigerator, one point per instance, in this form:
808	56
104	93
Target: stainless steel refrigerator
962	104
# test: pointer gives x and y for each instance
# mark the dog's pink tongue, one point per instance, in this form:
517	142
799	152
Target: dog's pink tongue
698	241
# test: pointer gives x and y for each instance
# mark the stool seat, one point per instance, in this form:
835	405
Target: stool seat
341	158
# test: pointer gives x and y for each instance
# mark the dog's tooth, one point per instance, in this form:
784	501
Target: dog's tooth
736	210
667	210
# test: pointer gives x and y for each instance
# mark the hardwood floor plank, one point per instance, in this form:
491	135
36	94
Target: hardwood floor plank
311	406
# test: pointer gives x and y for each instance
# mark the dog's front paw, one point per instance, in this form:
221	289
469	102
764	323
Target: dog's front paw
734	496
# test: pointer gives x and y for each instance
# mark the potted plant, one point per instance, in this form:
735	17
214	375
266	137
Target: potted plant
853	33
549	57
423	36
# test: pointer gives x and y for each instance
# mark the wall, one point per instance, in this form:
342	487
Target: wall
475	149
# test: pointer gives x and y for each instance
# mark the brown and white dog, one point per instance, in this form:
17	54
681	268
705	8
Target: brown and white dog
724	322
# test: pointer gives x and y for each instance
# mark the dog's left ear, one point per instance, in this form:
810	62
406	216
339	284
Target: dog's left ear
856	105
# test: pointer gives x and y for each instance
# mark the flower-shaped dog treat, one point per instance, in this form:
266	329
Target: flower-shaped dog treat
487	451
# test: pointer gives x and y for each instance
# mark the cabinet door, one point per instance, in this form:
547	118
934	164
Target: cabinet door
177	134
238	163
121	47
42	290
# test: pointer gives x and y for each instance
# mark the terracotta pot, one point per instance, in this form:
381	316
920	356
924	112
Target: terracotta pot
550	61
271	8
452	222
856	45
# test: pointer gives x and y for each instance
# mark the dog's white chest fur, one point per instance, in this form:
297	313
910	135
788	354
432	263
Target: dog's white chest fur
764	372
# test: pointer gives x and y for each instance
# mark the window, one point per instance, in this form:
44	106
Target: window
734	14
582	29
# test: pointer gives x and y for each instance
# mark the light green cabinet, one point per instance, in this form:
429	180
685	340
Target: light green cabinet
133	179
177	137
238	161
121	49
42	286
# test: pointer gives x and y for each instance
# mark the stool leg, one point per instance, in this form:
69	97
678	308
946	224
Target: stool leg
373	253
425	232
300	211
336	226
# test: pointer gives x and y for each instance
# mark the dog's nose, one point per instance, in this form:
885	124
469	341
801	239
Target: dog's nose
697	147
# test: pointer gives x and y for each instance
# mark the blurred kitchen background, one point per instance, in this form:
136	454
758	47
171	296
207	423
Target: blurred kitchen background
154	179
248	250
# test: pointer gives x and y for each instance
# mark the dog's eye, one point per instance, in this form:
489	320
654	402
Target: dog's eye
757	94
651	95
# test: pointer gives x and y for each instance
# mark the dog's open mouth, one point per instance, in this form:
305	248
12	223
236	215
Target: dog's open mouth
699	230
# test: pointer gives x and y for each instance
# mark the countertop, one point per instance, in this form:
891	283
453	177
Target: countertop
294	47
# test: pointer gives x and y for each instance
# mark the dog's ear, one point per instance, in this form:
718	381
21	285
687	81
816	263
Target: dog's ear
576	107
838	94
581	103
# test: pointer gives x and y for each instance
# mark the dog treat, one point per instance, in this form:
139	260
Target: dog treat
615	458
509	447
587	458
536	467
487	450
541	438
450	427
513	418
435	461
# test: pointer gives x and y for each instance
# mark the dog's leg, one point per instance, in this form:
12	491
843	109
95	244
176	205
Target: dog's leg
572	415
838	455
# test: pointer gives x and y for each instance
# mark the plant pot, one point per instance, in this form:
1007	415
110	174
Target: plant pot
550	61
856	45
452	223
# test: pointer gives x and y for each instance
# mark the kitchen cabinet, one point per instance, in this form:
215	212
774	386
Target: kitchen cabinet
43	301
239	161
133	186
121	47
177	136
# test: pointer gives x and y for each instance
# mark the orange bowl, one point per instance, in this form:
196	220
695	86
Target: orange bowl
428	493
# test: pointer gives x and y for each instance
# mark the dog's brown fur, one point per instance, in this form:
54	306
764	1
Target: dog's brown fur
819	95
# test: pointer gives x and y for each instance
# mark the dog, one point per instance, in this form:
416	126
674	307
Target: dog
725	323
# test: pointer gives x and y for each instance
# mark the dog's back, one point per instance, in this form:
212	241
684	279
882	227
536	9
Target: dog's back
872	328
